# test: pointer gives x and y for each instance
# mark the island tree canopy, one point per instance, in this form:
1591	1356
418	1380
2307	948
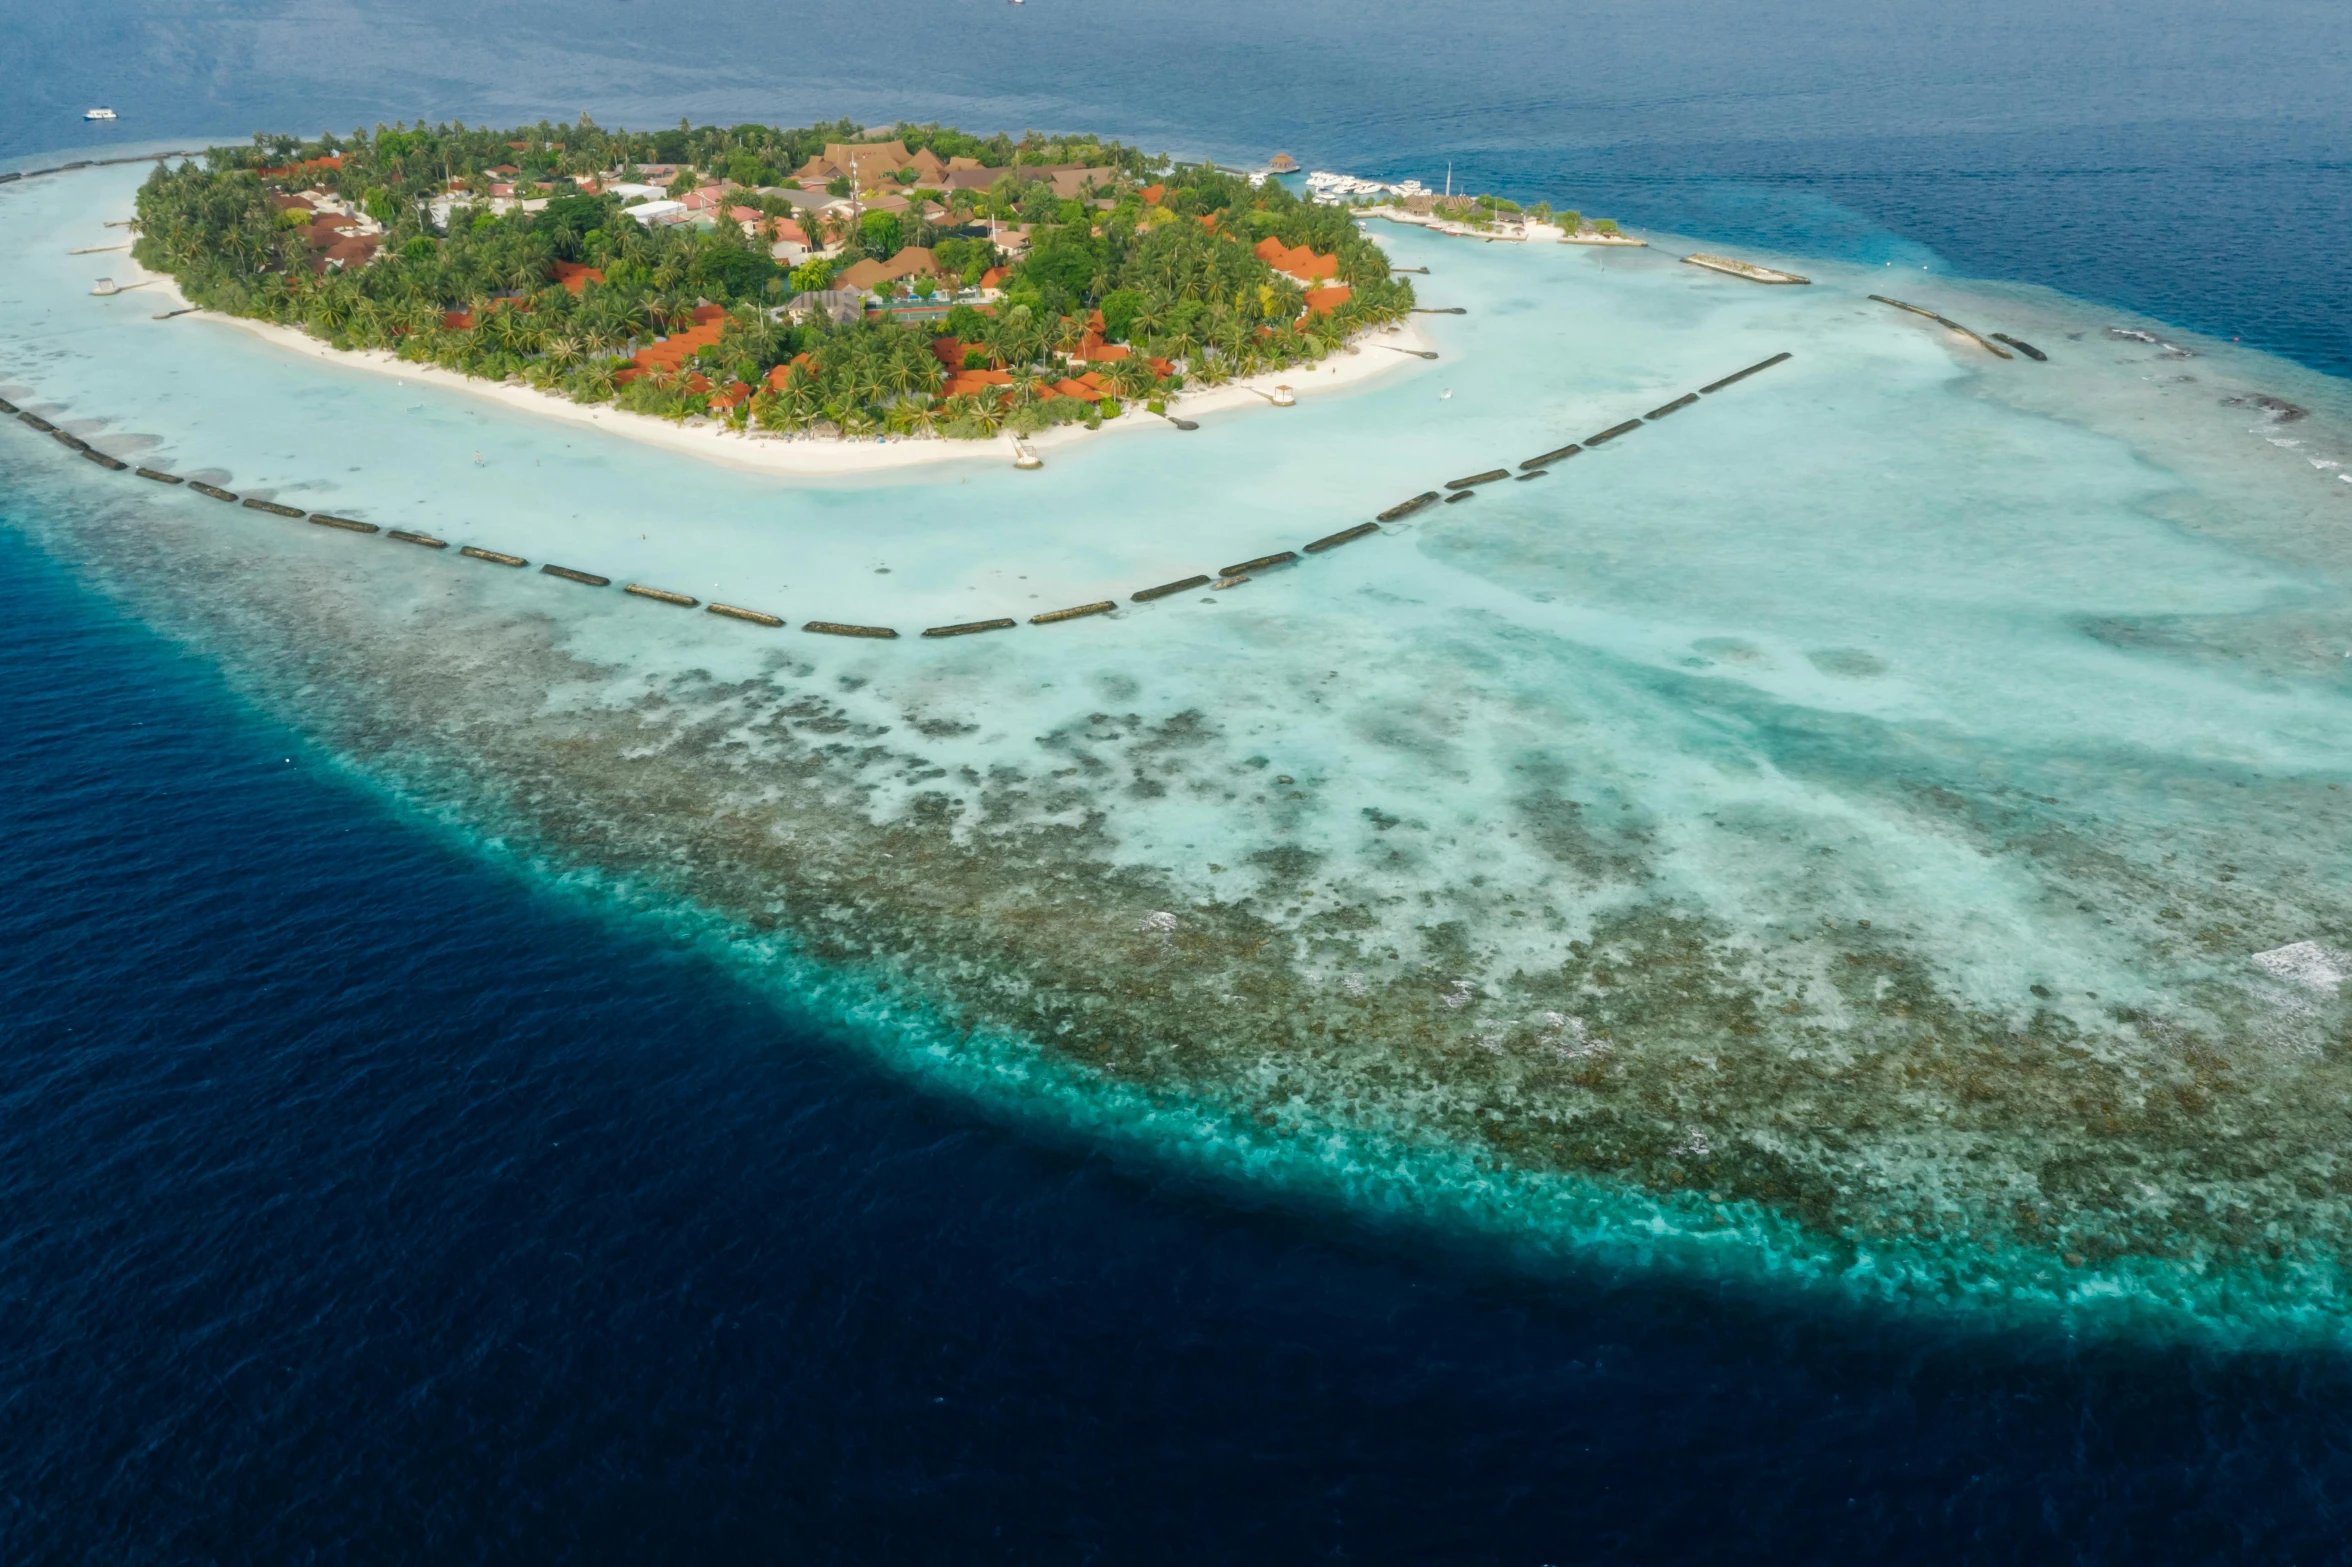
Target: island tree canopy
572	294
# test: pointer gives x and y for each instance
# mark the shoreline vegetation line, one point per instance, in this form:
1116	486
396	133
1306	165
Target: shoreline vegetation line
830	299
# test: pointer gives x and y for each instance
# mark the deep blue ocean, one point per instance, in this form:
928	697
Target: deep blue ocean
362	1201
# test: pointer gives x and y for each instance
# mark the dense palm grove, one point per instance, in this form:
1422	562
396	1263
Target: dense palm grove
1169	266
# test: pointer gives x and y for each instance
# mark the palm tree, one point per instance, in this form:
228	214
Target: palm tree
799	397
1133	376
986	412
1152	319
594	383
902	375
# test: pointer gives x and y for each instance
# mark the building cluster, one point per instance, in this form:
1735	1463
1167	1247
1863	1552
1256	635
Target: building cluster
339	233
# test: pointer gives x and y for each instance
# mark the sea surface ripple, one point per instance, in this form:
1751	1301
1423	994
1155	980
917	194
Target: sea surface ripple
364	1198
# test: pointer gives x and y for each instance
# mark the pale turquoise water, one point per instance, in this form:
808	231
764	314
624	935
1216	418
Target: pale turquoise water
1516	863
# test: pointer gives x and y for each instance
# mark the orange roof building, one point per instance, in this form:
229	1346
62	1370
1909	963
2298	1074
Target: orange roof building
1323	301
1301	263
876	276
671	354
576	276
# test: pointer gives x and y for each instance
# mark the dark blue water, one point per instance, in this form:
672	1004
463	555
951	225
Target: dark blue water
2191	159
361	1203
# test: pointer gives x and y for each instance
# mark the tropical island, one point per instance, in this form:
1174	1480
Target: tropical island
821	281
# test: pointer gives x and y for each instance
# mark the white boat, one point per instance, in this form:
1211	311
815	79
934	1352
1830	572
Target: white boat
100	114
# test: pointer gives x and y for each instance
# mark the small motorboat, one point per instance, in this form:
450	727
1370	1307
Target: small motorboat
100	114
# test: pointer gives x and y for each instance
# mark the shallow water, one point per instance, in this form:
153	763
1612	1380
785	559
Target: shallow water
1824	834
443	1118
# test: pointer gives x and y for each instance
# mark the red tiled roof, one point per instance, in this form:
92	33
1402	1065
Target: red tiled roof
735	393
1301	263
782	373
710	321
1153	193
1323	301
457	320
577	275
994	277
964	383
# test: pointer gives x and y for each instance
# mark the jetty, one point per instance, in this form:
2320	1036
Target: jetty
1733	267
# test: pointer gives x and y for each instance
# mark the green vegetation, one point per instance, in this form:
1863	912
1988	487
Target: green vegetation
477	284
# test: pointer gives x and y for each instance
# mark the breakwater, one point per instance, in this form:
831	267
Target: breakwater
1989	346
1744	269
93	163
1453	492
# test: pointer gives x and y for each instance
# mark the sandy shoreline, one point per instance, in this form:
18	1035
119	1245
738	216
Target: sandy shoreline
1368	357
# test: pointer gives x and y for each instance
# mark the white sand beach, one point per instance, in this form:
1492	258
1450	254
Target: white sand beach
1373	354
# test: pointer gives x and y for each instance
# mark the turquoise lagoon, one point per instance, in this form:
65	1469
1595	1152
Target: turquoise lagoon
1826	835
